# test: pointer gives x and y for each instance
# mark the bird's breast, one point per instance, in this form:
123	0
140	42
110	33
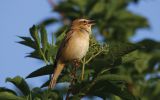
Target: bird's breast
77	47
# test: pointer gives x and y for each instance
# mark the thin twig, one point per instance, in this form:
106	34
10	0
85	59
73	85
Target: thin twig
93	56
84	62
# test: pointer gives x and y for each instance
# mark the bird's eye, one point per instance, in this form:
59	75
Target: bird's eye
84	21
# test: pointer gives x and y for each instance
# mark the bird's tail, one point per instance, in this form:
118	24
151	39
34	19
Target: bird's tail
59	67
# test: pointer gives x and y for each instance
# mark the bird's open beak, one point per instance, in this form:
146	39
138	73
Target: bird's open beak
91	22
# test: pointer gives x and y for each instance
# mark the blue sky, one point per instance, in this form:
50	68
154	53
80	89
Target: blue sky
17	16
150	10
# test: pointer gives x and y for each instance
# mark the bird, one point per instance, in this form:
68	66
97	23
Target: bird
74	46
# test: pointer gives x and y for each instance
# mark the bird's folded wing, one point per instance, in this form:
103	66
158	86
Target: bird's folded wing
63	43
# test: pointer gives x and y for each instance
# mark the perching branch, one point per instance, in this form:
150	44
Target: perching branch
73	81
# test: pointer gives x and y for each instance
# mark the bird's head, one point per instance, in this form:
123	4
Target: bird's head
83	24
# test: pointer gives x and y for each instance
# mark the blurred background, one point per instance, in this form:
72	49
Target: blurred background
17	16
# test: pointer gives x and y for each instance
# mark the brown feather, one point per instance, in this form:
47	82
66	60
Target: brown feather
74	46
59	67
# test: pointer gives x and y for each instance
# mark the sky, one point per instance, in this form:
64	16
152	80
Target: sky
17	16
150	10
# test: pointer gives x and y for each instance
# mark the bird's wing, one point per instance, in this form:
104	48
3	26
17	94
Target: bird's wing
63	43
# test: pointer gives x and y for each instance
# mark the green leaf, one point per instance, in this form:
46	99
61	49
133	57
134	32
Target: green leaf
131	57
149	45
45	94
27	41
36	93
44	39
157	88
90	5
51	52
35	35
113	55
64	7
119	49
103	87
3	89
48	69
142	63
9	96
113	77
51	95
60	38
20	83
74	97
152	63
35	54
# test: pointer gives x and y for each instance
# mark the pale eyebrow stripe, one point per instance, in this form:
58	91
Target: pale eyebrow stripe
82	19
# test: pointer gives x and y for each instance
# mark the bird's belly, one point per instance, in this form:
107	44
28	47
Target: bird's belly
76	49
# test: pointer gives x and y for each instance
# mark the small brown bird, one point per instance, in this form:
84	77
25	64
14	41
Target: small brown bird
73	47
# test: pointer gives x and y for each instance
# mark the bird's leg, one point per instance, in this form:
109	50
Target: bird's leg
76	63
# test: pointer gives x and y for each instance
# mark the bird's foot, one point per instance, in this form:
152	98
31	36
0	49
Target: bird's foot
76	63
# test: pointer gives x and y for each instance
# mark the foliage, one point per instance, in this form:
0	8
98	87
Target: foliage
27	94
114	69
